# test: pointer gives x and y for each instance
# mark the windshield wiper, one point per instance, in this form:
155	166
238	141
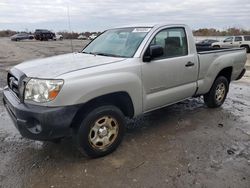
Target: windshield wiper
106	54
85	52
103	54
92	53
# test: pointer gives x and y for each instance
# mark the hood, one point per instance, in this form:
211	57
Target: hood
52	67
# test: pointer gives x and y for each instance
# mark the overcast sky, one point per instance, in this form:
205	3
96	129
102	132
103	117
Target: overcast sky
97	15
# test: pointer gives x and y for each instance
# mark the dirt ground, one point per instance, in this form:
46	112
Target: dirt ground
183	145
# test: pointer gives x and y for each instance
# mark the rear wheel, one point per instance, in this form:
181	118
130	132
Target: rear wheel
218	93
101	131
247	48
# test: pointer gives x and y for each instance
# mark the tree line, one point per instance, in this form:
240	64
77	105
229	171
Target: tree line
226	32
199	32
65	34
74	35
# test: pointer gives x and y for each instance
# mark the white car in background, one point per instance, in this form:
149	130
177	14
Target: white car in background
233	42
82	37
58	37
93	36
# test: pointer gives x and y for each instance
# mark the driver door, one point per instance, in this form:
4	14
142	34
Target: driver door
237	41
172	76
228	42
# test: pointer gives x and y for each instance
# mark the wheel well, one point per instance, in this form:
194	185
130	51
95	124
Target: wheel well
121	100
226	72
246	46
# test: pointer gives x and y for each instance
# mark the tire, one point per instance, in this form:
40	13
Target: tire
218	93
102	124
247	48
56	140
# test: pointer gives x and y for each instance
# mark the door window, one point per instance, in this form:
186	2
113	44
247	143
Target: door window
229	39
173	41
247	38
237	39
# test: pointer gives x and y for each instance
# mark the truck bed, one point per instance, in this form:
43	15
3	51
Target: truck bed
212	59
213	50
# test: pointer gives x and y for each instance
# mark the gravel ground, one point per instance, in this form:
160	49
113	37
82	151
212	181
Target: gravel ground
183	145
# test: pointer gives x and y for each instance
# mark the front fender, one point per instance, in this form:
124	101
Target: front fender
84	89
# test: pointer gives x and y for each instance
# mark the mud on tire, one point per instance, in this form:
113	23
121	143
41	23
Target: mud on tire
218	93
101	131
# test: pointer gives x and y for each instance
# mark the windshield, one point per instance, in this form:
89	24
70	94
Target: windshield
117	42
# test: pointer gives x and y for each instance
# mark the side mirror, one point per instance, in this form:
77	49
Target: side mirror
152	52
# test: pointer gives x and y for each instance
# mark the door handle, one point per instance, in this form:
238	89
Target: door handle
189	64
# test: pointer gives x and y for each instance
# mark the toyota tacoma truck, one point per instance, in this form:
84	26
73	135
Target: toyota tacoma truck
124	72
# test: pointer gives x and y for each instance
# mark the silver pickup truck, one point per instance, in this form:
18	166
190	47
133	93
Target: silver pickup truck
124	72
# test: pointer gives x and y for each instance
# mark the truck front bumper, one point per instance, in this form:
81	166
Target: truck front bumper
39	122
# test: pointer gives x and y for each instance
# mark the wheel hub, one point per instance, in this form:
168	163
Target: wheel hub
220	92
103	131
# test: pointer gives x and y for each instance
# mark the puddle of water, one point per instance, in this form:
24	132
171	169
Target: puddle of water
6	124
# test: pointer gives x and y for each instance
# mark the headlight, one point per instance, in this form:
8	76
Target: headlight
39	90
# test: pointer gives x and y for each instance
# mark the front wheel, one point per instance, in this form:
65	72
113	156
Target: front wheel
218	93
216	46
101	131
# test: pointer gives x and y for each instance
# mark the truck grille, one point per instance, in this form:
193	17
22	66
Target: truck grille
15	80
13	84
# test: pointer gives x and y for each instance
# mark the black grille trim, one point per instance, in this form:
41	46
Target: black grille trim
16	83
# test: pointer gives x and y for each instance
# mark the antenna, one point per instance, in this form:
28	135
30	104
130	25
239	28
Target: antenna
72	49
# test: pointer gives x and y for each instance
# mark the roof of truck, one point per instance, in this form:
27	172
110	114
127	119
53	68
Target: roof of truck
150	25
